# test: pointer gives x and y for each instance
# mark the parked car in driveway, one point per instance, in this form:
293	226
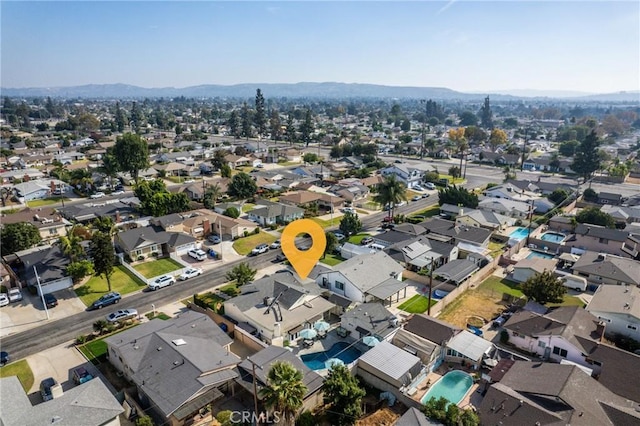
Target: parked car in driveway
260	248
122	314
416	198
198	254
81	375
339	235
4	299
48	389
106	300
348	210
4	358
430	185
15	295
214	239
163	281
50	300
190	273
366	240
275	245
418	188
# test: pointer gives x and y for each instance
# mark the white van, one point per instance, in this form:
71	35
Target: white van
575	282
198	254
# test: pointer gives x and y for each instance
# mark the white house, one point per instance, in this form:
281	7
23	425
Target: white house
526	268
619	307
407	175
515	209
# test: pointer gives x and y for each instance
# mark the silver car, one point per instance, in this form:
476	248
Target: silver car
122	314
163	281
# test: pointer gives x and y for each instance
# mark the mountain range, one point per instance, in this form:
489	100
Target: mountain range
307	90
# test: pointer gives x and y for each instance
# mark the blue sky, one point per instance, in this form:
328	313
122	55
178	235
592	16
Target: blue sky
463	45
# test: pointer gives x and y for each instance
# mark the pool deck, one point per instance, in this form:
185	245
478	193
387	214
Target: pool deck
471	399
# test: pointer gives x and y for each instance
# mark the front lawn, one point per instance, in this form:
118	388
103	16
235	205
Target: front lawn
94	350
417	304
244	245
160	315
327	223
331	259
158	267
247	207
429	212
357	239
22	370
45	202
122	281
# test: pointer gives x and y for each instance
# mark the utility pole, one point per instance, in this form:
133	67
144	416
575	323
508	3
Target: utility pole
524	148
430	287
530	220
40	290
255	390
424	125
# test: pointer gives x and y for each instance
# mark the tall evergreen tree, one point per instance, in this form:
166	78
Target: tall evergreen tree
136	117
276	125
260	119
119	118
306	128
103	255
234	125
245	118
486	116
586	159
291	130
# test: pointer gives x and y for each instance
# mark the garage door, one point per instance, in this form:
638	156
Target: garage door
180	250
57	285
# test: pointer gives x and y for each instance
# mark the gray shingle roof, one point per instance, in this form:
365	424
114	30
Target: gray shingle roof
51	265
430	328
368	270
390	360
414	417
596	231
612	267
372	317
457	270
616	299
459	232
133	238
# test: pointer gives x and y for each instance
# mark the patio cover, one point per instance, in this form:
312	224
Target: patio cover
457	270
425	259
472	248
387	288
469	345
568	257
197	403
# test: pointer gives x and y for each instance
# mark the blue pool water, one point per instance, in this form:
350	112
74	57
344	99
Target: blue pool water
453	386
535	254
553	237
438	294
340	350
519	234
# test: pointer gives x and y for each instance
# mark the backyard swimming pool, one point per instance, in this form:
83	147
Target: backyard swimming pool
535	254
553	237
519	234
340	350
453	386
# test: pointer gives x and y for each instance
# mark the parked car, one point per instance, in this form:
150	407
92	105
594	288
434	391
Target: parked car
475	330
122	314
163	281
260	248
499	322
81	375
425	195
4	299
106	300
97	195
46	388
118	192
50	300
387	219
4	358
430	185
388	225
15	295
571	281
401	203
398	161
348	210
339	235
214	239
190	273
416	198
366	240
418	188
275	245
198	254
280	258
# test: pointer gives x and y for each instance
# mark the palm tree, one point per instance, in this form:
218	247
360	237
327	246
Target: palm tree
462	146
390	191
70	244
284	391
211	195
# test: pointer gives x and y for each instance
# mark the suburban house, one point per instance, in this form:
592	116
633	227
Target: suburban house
405	174
88	404
87	212
500	159
50	265
364	278
474	236
200	223
235	161
456	271
39	189
601	268
22	174
50	224
515	209
425	337
527	268
323	200
485	219
467	349
370	319
264	360
619	307
277	307
171	169
605	240
270	213
553	394
553	336
622	214
178	366
152	241
609	198
418	253
388	368
563	224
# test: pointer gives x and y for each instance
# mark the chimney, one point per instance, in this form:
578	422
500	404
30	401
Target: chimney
118	219
600	328
460	211
207	227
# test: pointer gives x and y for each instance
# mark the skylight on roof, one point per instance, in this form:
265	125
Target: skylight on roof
179	342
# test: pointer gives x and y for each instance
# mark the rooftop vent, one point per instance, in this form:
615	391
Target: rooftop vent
179	342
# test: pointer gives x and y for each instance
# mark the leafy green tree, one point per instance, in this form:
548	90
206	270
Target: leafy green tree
104	224
211	195
260	119
486	116
103	255
586	159
441	410
310	157
344	393
568	148
544	288
475	133
132	154
242	186
285	390
595	216
18	236
234	124
232	212
70	244
455	172
241	274
332	243
390	192
558	195
590	195
306	128
406	125
245	119
224	418
218	159
350	224
225	171
457	196
467	118
156	200
144	421
498	137
79	269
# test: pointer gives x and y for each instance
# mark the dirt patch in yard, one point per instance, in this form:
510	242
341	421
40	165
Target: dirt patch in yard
383	416
472	303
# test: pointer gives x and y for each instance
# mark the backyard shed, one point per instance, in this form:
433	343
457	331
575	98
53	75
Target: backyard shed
389	364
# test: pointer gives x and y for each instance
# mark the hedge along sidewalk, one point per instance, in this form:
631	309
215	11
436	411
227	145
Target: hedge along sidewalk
96	350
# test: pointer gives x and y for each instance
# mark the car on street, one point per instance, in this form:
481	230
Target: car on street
198	254
190	273
15	295
50	300
46	388
275	245
398	161
4	358
366	240
339	235
119	192
430	185
97	195
81	375
214	239
387	219
425	195
106	300
163	281
401	203
418	188
416	198
388	225
260	166
260	249
4	299
122	314
280	258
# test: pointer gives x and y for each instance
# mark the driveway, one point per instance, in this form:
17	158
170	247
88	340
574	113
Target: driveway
59	363
29	313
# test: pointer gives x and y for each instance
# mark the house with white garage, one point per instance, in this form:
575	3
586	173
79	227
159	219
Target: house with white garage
408	175
50	266
515	209
148	241
526	268
618	306
485	219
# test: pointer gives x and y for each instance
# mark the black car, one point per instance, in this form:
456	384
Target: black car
50	300
106	300
45	388
4	358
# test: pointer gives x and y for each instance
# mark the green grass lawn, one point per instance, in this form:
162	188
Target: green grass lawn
247	207
496	248
495	286
244	245
45	202
160	315
157	267
94	350
326	223
122	281
357	239
453	181
22	370
417	304
429	212
332	259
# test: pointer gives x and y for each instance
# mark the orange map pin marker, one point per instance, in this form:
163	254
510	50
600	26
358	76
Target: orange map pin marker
303	261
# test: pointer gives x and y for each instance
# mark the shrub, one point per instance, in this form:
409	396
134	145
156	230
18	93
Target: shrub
504	336
306	419
144	421
246	233
224	417
141	257
256	231
81	339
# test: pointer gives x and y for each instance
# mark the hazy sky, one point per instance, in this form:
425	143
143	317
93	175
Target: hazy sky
591	46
